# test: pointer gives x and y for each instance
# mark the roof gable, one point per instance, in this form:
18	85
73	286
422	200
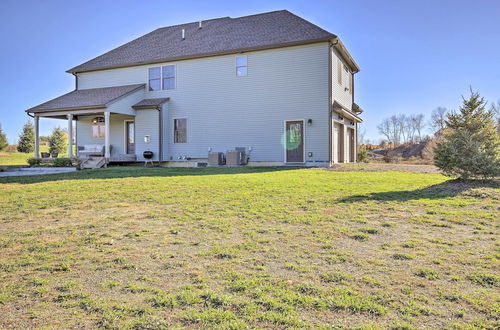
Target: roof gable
216	36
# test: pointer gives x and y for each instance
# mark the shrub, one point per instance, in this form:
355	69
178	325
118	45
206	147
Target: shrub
57	141
34	161
62	162
363	154
388	158
471	146
26	142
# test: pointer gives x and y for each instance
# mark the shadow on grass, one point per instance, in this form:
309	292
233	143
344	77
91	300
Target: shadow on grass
137	171
445	189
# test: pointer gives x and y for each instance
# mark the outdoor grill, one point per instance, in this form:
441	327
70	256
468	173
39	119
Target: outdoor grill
148	155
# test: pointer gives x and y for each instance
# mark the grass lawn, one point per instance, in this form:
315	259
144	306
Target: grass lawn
129	247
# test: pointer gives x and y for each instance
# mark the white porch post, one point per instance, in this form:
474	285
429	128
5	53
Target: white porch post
70	136
107	153
37	137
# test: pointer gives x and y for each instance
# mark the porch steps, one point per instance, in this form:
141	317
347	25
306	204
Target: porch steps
93	162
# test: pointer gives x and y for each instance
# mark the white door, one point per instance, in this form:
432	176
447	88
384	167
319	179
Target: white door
335	142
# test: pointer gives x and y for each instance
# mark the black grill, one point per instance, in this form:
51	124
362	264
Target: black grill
147	154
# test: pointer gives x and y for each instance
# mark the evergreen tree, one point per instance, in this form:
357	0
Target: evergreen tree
26	142
3	140
470	147
57	141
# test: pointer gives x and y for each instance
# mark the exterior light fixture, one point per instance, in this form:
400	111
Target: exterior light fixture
309	122
97	120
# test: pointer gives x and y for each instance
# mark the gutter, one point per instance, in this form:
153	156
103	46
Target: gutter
339	46
76	80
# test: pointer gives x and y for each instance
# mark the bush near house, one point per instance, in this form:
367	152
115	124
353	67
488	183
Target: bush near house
470	147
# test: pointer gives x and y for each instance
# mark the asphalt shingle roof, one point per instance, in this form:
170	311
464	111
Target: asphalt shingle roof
86	98
217	36
150	103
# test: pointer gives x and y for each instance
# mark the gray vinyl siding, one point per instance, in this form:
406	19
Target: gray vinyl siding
124	104
117	130
147	123
339	93
224	111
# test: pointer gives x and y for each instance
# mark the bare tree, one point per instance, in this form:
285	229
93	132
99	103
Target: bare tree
384	128
417	125
438	119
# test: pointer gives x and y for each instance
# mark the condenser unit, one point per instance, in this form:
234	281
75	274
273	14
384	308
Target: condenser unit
216	158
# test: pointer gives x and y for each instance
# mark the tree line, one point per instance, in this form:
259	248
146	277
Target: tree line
26	142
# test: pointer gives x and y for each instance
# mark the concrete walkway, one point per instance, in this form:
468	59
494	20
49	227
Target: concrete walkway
36	171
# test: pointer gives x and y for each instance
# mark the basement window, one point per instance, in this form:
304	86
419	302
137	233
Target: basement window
241	66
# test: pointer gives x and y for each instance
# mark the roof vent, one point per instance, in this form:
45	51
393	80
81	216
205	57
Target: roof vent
199	25
183	34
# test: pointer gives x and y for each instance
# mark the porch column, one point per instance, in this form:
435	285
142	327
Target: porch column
37	137
107	154
70	136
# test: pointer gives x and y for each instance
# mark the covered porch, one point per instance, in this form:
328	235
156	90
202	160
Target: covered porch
100	122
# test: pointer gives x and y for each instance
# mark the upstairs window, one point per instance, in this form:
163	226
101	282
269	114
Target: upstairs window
180	130
154	79
241	66
162	78
168	73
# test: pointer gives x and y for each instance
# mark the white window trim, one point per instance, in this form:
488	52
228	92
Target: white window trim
236	66
173	130
161	78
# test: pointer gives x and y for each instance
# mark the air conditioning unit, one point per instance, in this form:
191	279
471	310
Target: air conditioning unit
216	158
237	156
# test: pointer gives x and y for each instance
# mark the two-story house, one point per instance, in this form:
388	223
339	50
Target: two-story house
272	83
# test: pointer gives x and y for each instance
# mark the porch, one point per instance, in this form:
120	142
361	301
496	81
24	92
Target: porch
100	122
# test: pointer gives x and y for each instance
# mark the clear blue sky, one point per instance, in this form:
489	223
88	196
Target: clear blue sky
415	55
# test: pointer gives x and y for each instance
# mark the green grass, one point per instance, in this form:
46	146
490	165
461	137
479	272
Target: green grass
134	247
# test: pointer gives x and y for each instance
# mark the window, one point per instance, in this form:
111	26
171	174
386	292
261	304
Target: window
168	73
154	79
98	129
241	66
162	78
180	130
339	71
